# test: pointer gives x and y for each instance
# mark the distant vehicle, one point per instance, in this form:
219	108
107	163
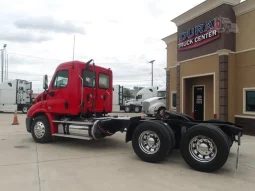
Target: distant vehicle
155	105
117	98
15	95
136	104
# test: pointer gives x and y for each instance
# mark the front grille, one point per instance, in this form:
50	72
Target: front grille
146	106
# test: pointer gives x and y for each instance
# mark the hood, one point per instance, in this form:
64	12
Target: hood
130	100
153	99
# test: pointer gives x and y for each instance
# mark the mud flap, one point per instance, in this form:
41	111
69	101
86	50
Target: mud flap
238	148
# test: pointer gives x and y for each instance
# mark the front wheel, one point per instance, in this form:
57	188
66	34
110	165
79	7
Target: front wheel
204	147
151	142
40	130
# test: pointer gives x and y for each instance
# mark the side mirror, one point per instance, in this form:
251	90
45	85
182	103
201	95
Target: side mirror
45	82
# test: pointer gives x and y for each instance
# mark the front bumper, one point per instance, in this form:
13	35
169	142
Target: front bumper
28	124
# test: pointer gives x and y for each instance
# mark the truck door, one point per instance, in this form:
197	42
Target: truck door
89	89
58	100
139	99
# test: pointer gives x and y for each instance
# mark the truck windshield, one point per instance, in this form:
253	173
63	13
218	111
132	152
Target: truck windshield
61	79
161	94
139	97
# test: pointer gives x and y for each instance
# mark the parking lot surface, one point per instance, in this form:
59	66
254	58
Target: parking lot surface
107	164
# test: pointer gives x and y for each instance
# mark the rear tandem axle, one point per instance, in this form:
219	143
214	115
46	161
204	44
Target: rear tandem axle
204	145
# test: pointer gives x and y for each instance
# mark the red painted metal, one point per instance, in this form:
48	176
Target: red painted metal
67	100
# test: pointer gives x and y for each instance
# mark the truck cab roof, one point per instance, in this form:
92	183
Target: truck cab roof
76	63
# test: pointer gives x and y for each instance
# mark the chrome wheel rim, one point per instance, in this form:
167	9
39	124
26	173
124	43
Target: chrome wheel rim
127	109
202	149
149	142
136	109
39	129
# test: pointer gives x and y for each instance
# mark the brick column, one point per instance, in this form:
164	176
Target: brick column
223	85
178	90
167	88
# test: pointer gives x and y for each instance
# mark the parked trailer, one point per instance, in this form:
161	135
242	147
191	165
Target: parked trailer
15	95
77	107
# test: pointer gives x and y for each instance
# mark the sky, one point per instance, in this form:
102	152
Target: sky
121	35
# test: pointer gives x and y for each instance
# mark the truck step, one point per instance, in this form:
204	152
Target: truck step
74	122
72	136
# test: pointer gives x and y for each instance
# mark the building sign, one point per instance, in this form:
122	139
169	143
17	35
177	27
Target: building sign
199	35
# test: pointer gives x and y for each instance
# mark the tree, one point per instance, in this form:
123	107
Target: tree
127	93
137	88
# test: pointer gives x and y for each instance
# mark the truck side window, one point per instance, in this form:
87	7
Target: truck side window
104	81
88	78
61	79
139	97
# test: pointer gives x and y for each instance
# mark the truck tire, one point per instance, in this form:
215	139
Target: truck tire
204	147
230	139
127	109
137	109
170	130
40	130
151	142
24	109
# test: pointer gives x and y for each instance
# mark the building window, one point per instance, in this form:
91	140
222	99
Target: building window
249	100
173	100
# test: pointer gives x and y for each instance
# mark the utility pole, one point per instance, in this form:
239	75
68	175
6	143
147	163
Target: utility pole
152	71
2	62
73	46
7	67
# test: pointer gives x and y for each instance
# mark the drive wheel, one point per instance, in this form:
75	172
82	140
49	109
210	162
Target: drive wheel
204	147
151	142
229	137
127	109
40	130
137	109
170	130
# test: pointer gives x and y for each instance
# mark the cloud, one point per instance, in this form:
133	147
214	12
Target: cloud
49	24
23	37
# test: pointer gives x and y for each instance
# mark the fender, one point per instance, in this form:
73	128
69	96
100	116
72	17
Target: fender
156	105
134	122
34	112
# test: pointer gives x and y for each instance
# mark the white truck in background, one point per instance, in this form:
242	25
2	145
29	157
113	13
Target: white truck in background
15	95
136	104
155	105
117	98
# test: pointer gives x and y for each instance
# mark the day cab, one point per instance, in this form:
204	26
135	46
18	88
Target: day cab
76	89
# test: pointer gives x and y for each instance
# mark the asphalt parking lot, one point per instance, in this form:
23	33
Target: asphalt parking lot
107	164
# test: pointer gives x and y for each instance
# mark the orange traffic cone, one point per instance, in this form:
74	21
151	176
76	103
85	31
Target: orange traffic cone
15	120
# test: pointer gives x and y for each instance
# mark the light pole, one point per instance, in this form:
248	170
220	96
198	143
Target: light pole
152	71
2	60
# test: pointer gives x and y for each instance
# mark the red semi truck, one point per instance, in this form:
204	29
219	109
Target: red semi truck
79	97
